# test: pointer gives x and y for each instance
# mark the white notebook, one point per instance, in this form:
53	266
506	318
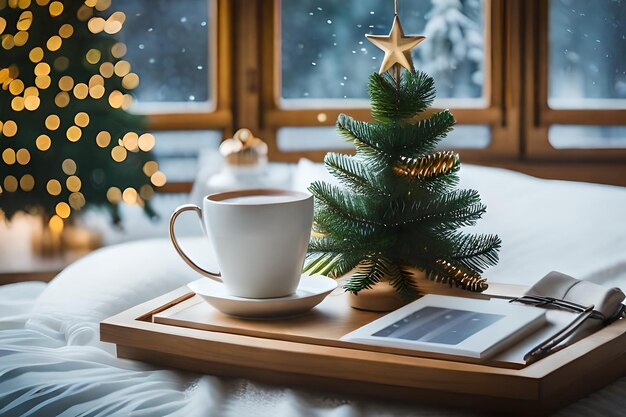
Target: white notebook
453	325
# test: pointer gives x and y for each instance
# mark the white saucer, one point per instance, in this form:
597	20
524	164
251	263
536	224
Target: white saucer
311	291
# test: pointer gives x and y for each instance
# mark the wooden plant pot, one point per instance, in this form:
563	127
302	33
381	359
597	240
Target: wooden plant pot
383	297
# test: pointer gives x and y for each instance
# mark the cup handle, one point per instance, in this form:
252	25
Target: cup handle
179	210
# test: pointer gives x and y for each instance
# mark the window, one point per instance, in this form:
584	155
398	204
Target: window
587	68
535	85
577	110
180	50
168	44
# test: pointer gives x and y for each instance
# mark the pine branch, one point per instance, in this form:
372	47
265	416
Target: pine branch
319	263
345	228
362	135
342	203
399	139
431	209
476	252
389	104
415	140
429	166
371	270
332	264
465	216
401	279
353	174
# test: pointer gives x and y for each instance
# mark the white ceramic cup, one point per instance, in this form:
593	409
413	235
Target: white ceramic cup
260	238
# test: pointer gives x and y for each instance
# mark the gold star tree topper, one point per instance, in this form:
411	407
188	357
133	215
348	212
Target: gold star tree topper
397	47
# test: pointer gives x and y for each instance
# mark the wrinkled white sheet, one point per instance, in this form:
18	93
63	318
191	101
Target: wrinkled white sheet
52	362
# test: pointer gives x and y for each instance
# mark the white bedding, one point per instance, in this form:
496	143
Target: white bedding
52	363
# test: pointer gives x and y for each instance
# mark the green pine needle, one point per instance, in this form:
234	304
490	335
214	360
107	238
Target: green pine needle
353	174
389	104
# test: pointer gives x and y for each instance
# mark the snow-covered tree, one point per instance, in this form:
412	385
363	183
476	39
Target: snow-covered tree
455	46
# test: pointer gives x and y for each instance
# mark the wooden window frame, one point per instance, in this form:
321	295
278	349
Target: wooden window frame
540	116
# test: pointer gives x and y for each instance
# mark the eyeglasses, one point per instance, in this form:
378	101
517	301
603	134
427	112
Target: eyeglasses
585	312
541	301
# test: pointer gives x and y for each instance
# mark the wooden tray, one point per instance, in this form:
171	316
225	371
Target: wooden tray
181	331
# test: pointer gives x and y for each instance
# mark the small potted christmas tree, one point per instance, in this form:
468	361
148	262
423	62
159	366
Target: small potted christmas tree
398	211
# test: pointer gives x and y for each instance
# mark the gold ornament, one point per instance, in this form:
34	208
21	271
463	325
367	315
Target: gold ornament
429	165
397	46
244	149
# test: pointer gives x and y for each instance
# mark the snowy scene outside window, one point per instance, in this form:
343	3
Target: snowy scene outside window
587	67
168	46
325	54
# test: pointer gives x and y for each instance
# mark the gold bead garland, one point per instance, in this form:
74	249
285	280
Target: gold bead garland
460	277
428	166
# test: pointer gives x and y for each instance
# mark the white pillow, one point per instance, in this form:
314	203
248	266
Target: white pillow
109	281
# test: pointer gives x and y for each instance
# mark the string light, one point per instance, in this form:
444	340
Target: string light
93	56
69	166
114	195
146	142
31	103
62	99
150	168
38	75
103	139
81	91
43	142
66	83
130	81
77	200
63	210
66	31
53	122
107	69
54	43
130	196
8	156
118	153
53	187
55	8
20	38
36	54
81	119
130	141
9	129
158	179
10	183
73	133
22	156
73	183
27	183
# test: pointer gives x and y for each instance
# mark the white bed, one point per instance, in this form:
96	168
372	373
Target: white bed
52	363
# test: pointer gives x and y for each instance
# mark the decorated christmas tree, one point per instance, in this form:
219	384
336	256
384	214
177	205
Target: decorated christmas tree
398	209
67	141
